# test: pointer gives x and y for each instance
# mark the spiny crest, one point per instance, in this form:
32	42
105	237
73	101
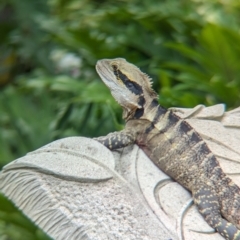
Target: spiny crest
149	84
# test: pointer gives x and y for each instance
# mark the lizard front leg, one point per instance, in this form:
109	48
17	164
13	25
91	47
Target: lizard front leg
117	140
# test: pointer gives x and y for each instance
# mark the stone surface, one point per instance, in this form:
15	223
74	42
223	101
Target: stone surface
75	188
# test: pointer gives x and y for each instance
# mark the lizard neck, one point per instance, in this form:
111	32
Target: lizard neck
148	111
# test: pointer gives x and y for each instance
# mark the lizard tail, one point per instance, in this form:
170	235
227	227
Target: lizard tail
230	208
208	205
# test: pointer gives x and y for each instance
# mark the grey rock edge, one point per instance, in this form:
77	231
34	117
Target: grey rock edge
75	188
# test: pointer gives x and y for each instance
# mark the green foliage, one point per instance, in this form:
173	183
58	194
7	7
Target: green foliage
49	88
214	67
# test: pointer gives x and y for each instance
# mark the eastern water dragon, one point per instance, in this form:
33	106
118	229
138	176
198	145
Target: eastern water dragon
172	144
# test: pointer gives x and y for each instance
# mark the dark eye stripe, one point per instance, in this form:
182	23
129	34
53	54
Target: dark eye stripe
132	86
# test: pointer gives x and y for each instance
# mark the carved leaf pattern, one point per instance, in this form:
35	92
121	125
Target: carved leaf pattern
70	189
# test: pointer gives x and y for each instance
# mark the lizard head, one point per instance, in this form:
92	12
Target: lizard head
130	87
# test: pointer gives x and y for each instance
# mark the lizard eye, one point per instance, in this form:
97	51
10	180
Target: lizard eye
115	68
